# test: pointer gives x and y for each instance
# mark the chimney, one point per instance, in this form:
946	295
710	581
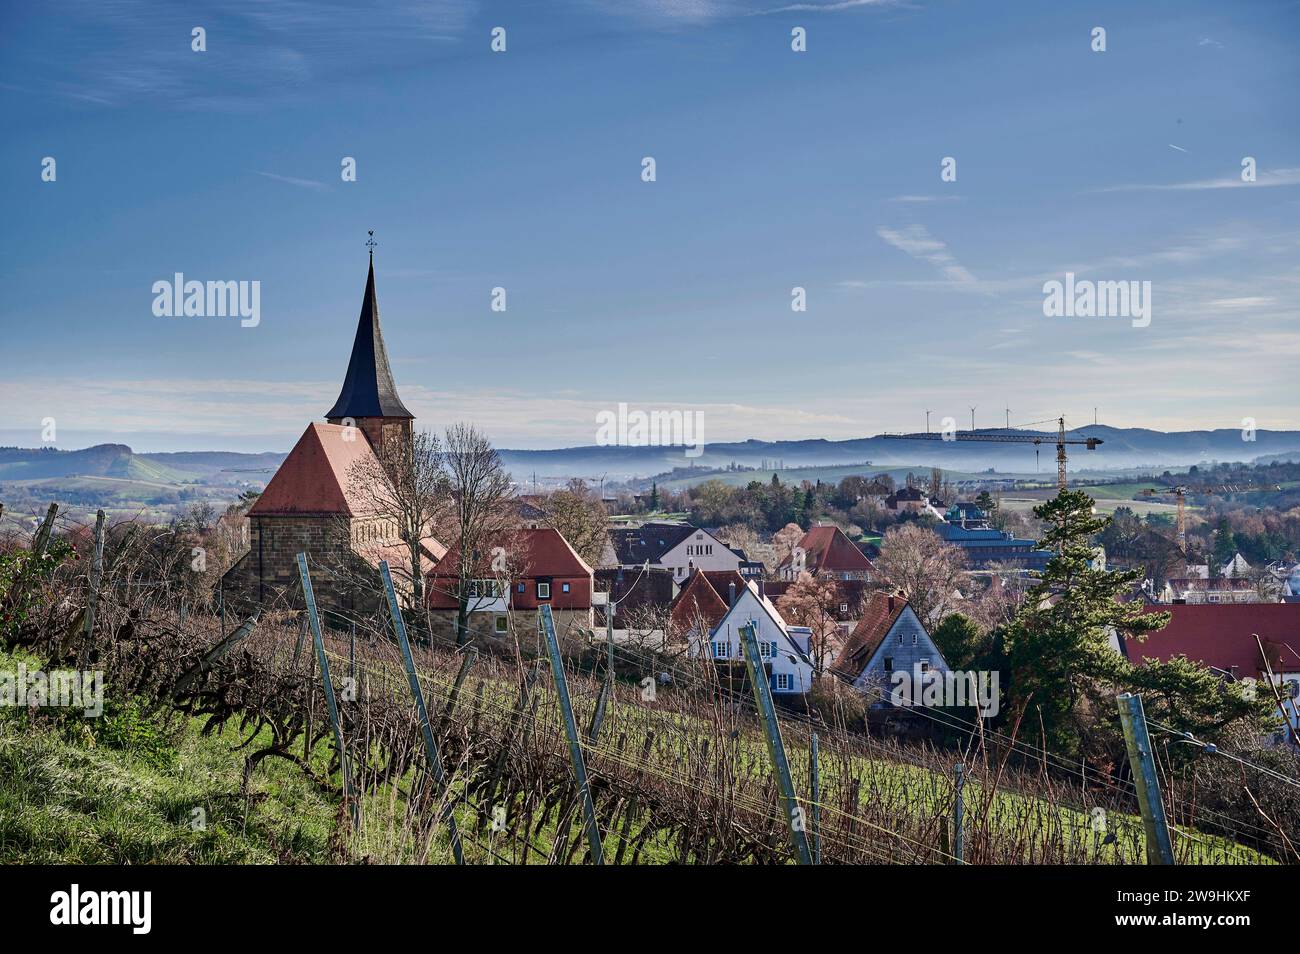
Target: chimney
731	593
891	602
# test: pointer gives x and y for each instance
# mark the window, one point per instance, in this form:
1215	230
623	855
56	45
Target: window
564	587
925	664
502	624
889	664
782	682
914	639
765	649
900	639
543	591
719	650
523	587
844	609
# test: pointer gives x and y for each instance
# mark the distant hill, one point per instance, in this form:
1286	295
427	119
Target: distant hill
119	461
1122	449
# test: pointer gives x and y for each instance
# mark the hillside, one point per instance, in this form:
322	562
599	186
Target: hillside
1122	449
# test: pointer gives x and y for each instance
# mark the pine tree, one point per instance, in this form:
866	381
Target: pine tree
1063	670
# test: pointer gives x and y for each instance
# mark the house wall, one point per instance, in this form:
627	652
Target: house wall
687	553
903	654
748	609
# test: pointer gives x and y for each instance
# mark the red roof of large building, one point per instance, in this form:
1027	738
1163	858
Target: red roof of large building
828	550
317	476
1222	635
878	618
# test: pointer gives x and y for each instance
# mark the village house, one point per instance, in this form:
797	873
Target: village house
315	503
889	638
967	528
783	649
541	569
677	547
703	601
826	552
1219	590
1222	637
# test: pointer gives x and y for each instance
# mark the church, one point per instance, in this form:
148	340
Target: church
316	504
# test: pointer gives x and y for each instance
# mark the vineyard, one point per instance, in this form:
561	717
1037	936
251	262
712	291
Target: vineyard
675	760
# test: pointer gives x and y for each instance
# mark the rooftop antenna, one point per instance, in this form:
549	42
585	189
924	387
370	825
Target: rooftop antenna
371	243
972	416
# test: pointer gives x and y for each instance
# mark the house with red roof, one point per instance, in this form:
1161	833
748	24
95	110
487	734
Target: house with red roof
826	551
320	500
533	566
1222	637
703	601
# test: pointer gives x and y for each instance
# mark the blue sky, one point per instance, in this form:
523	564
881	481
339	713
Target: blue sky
522	169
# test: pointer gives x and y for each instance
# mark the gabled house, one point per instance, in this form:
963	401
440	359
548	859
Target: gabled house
1236	567
827	552
889	638
541	568
699	607
678	547
783	649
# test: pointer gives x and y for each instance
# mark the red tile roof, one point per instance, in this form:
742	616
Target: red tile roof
699	598
878	618
829	550
316	476
531	551
1221	635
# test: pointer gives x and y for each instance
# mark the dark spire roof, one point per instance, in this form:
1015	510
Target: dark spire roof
368	388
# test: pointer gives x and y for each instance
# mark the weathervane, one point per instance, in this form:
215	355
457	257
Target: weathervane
371	243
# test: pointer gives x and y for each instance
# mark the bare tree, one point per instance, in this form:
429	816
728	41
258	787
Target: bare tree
785	540
580	518
405	493
481	510
813	602
927	570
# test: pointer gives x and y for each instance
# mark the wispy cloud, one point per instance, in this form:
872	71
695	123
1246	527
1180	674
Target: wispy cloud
920	244
834	5
925	198
1276	177
294	181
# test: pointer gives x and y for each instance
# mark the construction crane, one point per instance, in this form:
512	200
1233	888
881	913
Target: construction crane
1035	439
1181	492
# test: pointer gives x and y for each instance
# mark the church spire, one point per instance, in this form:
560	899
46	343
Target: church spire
368	388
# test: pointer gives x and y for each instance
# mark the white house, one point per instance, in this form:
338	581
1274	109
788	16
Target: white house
784	649
678	547
889	638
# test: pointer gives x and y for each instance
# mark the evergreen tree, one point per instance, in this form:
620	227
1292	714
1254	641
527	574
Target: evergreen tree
1063	672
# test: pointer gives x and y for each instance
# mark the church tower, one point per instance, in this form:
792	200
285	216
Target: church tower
368	400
